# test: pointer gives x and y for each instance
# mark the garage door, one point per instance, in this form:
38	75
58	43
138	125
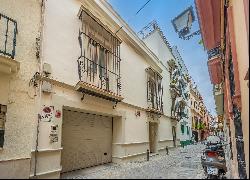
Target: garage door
86	140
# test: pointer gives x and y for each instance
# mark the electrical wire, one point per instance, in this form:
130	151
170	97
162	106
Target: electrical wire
142	7
134	15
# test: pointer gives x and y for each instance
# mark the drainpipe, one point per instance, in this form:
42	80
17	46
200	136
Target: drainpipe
36	151
40	63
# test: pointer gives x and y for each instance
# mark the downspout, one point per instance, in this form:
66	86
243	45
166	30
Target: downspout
40	68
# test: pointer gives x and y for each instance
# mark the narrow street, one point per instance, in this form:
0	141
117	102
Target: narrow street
124	89
181	163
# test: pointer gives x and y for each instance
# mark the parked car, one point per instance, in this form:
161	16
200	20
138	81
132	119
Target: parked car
213	140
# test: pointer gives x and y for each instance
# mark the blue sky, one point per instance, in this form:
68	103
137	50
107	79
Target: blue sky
163	11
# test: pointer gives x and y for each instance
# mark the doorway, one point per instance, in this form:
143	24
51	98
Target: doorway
86	140
153	136
174	135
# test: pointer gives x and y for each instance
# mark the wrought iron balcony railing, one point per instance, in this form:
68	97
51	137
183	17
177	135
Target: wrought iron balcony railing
8	32
99	62
99	75
214	52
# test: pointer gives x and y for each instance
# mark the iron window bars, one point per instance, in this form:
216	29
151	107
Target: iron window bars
8	32
154	90
99	62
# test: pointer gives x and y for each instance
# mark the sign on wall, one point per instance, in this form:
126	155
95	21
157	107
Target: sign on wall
47	113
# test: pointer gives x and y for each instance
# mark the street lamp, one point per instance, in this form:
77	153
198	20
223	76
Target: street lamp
183	23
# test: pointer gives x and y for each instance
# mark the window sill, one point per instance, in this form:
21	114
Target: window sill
98	92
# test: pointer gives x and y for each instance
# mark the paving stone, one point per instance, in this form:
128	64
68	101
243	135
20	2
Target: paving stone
181	163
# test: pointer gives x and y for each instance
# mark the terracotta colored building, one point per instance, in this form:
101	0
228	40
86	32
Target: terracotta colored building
225	32
198	114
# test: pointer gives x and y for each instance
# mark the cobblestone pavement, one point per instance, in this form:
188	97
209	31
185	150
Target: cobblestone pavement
181	163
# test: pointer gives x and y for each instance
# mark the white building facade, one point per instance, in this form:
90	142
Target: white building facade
186	121
176	71
98	96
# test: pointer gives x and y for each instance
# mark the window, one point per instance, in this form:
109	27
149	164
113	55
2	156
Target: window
154	89
3	110
99	61
187	130
182	129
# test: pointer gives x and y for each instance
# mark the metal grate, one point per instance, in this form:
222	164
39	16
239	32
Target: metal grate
214	52
99	62
154	90
8	32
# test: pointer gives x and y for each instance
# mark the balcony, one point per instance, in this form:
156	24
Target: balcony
99	61
98	80
215	70
154	92
8	32
219	98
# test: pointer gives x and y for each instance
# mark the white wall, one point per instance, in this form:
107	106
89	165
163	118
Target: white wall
61	47
133	77
61	50
155	42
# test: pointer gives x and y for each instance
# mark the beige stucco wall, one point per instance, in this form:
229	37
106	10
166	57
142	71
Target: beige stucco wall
16	93
15	169
5	82
242	48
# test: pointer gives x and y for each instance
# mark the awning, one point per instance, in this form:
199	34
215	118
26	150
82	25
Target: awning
210	22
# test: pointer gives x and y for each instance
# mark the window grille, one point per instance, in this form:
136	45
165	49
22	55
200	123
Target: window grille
154	90
99	61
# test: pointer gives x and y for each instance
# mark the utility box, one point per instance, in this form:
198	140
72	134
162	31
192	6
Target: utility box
53	134
47	69
46	87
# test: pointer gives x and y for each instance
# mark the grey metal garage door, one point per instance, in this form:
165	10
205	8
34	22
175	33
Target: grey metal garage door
86	140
